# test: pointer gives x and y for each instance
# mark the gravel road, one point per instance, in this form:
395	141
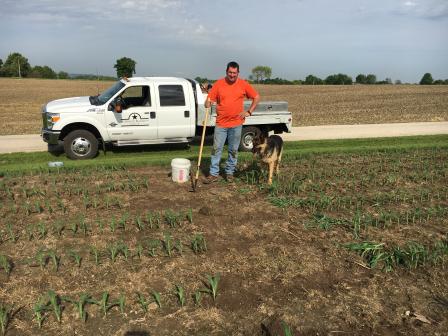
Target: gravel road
34	143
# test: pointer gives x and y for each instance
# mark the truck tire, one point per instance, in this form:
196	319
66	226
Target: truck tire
247	135
80	145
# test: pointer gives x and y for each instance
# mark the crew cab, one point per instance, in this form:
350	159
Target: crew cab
146	110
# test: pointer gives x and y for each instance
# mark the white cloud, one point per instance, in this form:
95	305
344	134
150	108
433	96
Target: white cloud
427	9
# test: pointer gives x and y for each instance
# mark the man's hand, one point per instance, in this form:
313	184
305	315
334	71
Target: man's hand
244	114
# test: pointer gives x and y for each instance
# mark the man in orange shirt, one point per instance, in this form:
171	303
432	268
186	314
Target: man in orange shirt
228	93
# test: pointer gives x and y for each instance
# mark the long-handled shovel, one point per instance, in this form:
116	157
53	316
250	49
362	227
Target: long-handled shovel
194	182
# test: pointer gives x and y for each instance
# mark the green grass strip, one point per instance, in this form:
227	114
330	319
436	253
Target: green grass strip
134	156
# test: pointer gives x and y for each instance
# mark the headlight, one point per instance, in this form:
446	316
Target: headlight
52	118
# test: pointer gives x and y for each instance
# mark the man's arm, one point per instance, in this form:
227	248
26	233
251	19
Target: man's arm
252	107
207	103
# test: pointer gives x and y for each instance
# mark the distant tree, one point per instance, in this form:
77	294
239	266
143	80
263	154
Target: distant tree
438	82
426	79
261	72
398	82
125	67
445	82
63	75
313	80
16	65
361	79
339	79
371	79
42	72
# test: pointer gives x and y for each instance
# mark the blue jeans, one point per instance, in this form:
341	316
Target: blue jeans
233	136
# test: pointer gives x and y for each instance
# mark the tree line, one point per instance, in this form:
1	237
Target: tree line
17	65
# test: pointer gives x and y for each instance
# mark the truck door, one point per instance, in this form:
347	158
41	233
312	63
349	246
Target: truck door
175	113
137	119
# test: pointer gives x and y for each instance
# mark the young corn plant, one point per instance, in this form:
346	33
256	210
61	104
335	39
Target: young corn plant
142	302
139	251
180	294
198	244
157	299
5	264
121	302
94	252
5	317
55	259
83	226
76	257
42	258
11	233
123	220
139	223
39	309
81	304
168	244
113	250
212	285
55	303
42	229
104	303
113	224
30	232
153	245
172	218
189	215
74	227
154	219
197	297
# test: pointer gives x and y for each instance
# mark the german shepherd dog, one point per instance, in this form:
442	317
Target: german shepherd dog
268	150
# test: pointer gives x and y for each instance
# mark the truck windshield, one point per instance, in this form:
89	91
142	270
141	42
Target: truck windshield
106	95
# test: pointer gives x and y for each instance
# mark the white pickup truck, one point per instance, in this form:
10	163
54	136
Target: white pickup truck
155	110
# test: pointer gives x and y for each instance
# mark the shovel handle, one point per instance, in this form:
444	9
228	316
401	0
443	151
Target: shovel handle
204	126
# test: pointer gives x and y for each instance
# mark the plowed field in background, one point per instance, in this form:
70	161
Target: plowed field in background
21	101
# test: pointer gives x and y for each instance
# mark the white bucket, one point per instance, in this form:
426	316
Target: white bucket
180	170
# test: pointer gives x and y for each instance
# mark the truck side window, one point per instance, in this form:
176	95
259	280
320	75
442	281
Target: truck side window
137	96
171	95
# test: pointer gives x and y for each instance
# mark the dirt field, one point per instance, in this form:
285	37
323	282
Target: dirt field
21	102
341	244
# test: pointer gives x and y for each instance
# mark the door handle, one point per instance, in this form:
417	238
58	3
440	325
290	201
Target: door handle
187	114
152	115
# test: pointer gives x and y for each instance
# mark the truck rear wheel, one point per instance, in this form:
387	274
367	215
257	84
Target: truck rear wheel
247	136
80	145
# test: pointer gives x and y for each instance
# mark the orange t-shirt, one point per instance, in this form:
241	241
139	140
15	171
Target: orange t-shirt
230	101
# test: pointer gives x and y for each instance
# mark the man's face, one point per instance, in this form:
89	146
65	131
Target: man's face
232	74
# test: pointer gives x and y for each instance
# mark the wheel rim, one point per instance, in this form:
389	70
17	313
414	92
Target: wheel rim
248	140
81	146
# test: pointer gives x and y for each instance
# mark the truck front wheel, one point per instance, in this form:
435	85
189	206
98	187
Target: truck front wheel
80	145
247	136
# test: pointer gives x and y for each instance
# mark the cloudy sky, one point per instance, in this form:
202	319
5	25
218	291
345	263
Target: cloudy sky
400	39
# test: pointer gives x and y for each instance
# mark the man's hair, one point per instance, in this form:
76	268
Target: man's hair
233	65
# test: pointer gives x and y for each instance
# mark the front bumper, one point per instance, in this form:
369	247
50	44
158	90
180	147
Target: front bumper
50	137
